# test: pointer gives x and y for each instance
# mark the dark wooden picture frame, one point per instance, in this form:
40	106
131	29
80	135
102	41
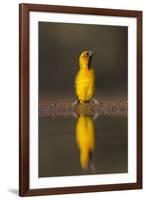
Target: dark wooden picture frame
24	10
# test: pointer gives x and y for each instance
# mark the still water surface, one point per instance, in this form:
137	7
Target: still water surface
69	146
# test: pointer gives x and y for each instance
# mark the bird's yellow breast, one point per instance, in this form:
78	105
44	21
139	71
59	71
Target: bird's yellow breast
85	84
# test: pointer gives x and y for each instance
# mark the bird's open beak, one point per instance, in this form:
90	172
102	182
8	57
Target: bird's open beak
91	52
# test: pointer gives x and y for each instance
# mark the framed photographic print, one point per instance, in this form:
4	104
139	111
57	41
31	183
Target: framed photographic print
80	99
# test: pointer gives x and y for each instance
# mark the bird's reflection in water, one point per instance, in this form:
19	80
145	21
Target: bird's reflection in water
85	137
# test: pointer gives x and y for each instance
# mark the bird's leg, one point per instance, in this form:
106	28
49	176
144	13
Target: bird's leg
75	102
95	101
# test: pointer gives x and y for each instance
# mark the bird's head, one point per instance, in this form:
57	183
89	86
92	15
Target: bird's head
85	58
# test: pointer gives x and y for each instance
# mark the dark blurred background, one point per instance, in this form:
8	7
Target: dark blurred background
60	45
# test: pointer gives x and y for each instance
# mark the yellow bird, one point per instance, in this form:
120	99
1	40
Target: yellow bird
85	137
85	78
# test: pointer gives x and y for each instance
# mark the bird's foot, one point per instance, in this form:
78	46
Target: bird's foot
75	103
95	101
